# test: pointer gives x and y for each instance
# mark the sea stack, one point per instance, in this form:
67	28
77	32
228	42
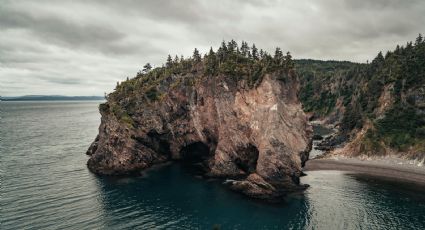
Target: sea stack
252	132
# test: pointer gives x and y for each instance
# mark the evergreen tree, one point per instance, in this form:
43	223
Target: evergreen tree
379	59
211	52
211	62
232	46
196	56
261	53
419	39
278	56
254	52
147	67
169	61
221	52
397	49
289	63
244	49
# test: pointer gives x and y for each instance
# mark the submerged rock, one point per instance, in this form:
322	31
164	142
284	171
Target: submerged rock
257	135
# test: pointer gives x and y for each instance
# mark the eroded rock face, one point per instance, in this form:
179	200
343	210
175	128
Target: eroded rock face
258	136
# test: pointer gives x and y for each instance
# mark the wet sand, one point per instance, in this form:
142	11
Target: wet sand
402	170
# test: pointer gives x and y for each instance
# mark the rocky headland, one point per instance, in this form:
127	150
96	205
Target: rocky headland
248	129
245	116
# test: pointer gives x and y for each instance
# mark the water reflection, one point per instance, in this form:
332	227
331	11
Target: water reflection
170	197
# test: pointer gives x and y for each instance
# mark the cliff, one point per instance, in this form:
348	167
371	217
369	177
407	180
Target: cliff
378	108
255	135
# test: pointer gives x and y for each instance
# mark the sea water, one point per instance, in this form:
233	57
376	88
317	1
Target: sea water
45	184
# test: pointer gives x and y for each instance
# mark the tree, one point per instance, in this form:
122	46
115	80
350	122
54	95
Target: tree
262	53
289	63
419	39
211	53
254	52
278	56
169	61
232	46
211	62
244	49
196	56
147	67
379	59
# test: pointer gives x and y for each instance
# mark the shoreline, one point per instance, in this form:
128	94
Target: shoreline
402	171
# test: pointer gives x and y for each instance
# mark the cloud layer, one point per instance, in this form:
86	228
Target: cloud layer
84	47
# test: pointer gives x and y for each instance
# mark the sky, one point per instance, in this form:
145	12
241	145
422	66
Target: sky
85	47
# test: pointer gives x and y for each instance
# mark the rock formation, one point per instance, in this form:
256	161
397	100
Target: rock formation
257	137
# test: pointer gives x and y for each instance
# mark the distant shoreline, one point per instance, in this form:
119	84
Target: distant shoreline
52	98
382	168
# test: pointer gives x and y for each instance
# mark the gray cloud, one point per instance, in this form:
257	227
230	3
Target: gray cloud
83	47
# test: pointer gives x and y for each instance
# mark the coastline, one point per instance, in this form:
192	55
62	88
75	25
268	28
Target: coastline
391	168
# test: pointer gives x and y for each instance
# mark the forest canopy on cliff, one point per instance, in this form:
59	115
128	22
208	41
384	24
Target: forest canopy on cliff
358	88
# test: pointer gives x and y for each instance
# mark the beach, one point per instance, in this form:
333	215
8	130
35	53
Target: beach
395	168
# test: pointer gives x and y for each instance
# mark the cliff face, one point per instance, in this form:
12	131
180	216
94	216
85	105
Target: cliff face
257	136
378	108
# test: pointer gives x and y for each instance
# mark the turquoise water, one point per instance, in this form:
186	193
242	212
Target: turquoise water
45	185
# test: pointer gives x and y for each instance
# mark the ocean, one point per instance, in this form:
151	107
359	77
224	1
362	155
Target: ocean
45	184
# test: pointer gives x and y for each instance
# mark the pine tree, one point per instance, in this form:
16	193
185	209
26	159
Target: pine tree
232	46
211	52
397	49
147	67
261	53
419	39
254	52
379	58
289	63
278	56
244	49
222	52
211	62
169	61
196	56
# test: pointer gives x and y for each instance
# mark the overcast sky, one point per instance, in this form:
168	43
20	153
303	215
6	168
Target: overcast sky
85	47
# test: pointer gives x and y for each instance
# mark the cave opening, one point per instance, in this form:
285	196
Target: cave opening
247	159
195	157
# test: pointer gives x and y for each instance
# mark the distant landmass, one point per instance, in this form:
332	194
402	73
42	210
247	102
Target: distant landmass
51	98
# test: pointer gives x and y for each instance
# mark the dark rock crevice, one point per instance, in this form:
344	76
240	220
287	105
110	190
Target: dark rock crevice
246	159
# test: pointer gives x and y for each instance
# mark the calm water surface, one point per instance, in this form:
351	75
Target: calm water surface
45	185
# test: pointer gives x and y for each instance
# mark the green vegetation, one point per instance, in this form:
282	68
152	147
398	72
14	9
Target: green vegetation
359	87
401	127
321	84
122	115
235	62
352	90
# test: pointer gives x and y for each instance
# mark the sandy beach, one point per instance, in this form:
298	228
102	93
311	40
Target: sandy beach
396	168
